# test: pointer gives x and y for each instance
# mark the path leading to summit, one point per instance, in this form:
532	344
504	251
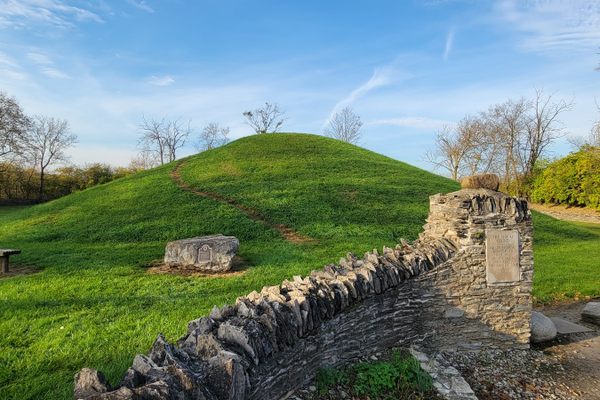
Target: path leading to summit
286	232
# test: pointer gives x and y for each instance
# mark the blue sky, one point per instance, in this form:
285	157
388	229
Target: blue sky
406	67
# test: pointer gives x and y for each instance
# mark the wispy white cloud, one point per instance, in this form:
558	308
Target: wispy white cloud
161	80
54	73
550	25
58	13
39	58
381	77
8	61
412	122
10	69
142	5
46	65
449	44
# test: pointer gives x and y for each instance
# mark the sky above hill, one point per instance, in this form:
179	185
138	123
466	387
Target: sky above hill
406	67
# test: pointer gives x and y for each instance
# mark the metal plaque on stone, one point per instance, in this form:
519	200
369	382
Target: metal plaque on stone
205	254
502	256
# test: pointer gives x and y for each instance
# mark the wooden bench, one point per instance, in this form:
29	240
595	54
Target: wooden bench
4	254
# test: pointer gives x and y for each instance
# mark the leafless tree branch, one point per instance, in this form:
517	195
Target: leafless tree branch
345	125
267	119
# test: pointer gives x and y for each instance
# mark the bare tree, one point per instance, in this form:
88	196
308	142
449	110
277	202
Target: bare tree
143	161
212	136
152	140
45	144
593	138
13	124
176	134
267	119
505	124
344	125
542	128
163	138
451	149
479	143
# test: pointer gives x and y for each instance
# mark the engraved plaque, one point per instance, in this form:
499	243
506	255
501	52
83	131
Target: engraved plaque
205	254
502	256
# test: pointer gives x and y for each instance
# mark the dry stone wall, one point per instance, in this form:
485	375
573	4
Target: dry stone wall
435	292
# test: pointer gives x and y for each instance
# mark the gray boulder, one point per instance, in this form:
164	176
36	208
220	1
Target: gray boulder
542	328
206	253
591	313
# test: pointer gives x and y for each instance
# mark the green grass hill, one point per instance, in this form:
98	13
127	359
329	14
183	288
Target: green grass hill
92	303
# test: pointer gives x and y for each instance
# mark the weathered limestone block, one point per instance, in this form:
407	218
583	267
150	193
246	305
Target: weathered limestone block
591	313
206	253
89	382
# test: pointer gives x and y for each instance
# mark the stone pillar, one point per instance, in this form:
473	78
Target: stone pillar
482	296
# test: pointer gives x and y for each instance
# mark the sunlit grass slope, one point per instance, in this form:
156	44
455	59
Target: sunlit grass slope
93	304
567	259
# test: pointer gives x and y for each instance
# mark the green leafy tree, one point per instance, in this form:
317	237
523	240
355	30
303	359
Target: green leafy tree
573	180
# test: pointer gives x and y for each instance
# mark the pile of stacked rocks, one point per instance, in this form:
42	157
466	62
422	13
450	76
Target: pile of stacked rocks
213	359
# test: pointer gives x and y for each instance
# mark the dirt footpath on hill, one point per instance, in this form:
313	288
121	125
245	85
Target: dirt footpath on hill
578	214
579	354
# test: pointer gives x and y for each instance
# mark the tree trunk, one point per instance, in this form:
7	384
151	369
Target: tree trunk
41	193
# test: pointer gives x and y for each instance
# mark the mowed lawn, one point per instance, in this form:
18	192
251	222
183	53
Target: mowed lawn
92	303
567	259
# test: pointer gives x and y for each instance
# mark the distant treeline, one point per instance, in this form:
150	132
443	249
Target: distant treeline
20	184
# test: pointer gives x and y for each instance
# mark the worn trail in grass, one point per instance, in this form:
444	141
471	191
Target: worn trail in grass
285	231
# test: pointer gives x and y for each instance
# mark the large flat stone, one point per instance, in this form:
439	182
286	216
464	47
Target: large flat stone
206	253
564	327
591	313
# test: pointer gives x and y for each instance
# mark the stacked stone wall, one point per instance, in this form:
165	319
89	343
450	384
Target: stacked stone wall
433	292
464	309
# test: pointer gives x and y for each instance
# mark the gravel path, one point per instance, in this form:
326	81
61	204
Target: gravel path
566	368
578	214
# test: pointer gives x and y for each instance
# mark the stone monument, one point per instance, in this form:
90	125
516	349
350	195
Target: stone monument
206	253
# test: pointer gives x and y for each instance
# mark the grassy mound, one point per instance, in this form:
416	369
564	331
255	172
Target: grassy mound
93	304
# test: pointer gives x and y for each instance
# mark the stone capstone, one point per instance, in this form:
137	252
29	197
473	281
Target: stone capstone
482	181
591	313
206	253
542	328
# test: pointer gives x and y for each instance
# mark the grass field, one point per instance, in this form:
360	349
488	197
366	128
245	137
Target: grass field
93	305
567	259
6	210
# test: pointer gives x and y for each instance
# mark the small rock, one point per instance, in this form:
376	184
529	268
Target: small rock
454	312
312	388
591	313
542	328
89	382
